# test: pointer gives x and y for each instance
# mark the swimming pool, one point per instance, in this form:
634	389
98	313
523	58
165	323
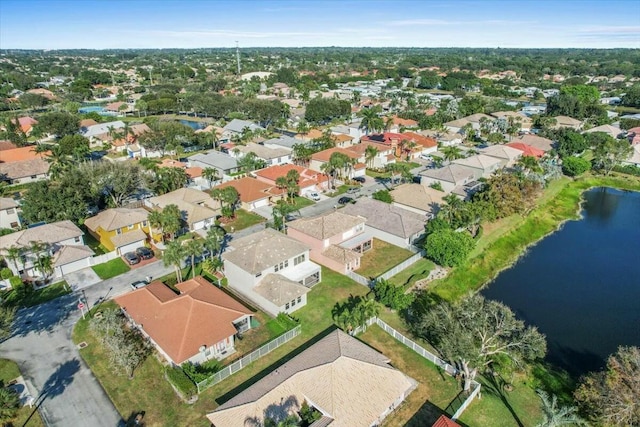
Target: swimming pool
96	109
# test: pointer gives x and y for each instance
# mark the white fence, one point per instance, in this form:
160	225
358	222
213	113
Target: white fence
400	267
427	355
358	278
99	259
248	359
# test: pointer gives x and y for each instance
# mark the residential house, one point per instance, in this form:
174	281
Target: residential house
337	239
309	136
22	165
527	150
225	164
446	139
348	382
102	132
524	123
62	240
634	158
195	325
197	208
236	127
482	165
26	124
9	216
271	156
120	229
309	180
387	222
321	157
354	130
404	145
474	120
567	122
507	155
6	145
612	131
445	421
535	141
43	92
342	140
418	198
449	177
253	192
283	141
633	135
272	270
399	124
383	157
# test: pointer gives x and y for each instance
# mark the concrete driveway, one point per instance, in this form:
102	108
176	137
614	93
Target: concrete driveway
82	278
67	392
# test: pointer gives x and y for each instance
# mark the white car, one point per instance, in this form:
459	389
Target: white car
313	196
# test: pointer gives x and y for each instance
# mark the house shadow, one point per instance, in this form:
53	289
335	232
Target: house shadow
269	369
44	317
57	383
135	419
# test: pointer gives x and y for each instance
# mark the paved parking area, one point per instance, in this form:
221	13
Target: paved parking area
82	278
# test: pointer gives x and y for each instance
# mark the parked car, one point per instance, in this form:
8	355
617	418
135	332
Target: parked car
426	157
144	253
353	190
345	200
198	258
313	196
132	258
139	284
360	179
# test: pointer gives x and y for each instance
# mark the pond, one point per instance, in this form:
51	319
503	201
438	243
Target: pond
581	285
193	125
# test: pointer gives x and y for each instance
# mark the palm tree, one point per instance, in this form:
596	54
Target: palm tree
370	153
193	248
171	219
210	174
9	403
366	309
13	255
58	161
174	255
529	164
302	127
370	119
452	153
213	240
555	416
156	220
290	421
230	197
45	266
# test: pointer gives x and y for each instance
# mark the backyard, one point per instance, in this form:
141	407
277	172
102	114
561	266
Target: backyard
381	257
110	269
242	220
413	273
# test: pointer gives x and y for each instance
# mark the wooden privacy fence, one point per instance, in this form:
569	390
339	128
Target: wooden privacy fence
240	364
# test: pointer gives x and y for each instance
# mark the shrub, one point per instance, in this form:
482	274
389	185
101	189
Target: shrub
629	169
171	281
308	414
181	381
392	296
16	283
574	166
448	248
383	196
6	273
436	186
286	321
201	372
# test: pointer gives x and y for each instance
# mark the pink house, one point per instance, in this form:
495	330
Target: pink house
337	240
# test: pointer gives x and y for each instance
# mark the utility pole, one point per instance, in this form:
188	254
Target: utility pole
238	57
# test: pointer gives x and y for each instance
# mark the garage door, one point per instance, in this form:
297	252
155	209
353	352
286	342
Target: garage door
130	247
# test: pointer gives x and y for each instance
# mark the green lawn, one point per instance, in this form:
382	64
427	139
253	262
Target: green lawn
375	174
33	297
9	371
93	243
243	219
149	391
382	257
338	191
110	269
413	273
302	202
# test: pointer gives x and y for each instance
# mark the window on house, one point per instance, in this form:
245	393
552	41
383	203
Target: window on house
299	300
281	266
14	225
131	227
286	306
299	259
293	303
360	227
119	231
77	240
34	176
259	274
144	223
11	211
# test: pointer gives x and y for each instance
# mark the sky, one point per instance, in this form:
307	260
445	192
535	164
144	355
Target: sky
105	24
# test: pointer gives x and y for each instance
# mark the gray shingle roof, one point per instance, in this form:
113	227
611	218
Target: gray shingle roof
237	125
215	159
258	251
451	173
326	225
284	141
47	233
386	217
279	290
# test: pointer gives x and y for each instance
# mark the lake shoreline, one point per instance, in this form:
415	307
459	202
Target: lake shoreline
544	220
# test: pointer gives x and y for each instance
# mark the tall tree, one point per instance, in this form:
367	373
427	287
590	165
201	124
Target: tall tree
174	256
192	249
370	154
211	174
557	416
171	219
214	239
478	334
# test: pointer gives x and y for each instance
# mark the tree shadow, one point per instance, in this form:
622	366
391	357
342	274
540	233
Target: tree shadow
427	415
555	381
495	384
573	361
57	383
275	412
135	419
44	317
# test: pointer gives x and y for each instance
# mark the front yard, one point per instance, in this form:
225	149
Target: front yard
110	269
30	297
382	257
9	371
242	220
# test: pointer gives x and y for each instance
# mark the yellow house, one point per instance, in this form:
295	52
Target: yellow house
120	229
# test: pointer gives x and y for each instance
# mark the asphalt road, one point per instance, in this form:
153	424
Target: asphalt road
67	393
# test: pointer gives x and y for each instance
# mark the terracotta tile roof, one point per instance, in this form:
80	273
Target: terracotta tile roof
527	150
308	177
20	154
312	134
85	123
361	148
170	163
325	155
444	421
251	189
535	141
201	315
7	145
404	122
425	141
387	138
26	123
341	137
194	172
326	225
350	381
112	219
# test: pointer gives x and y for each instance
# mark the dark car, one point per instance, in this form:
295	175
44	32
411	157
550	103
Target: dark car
144	252
345	200
139	284
132	258
360	179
